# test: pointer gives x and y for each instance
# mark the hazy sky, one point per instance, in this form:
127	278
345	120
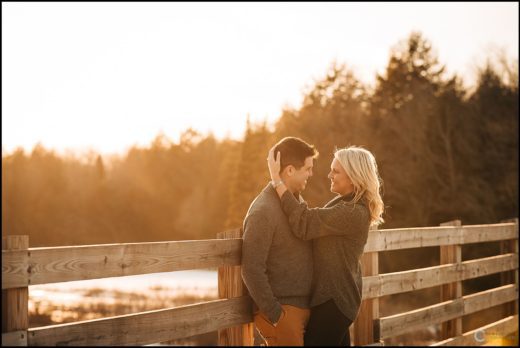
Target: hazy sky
105	76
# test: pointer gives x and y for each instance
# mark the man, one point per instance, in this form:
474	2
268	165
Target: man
276	266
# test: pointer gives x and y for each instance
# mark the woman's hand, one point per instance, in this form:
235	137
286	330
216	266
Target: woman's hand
274	164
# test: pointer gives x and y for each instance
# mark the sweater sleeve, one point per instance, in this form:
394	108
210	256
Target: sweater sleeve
257	241
342	219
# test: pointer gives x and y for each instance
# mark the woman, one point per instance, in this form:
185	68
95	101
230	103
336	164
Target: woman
339	232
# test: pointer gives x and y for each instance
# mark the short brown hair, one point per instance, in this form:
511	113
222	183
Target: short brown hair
294	151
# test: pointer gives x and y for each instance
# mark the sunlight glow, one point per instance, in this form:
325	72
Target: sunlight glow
106	76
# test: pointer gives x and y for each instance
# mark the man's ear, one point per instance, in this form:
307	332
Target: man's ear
290	170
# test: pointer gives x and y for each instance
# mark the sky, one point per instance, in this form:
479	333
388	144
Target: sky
105	76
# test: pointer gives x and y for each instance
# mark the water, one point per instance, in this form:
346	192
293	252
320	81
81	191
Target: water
62	300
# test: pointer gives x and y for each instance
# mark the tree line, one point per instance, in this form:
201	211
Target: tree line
444	152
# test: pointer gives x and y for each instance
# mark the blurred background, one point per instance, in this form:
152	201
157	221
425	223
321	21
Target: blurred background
151	122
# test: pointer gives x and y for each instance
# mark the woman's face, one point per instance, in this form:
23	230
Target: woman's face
339	180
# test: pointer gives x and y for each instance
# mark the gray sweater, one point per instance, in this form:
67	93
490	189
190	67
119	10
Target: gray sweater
276	266
339	232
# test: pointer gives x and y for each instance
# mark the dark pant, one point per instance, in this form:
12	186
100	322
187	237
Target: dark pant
327	326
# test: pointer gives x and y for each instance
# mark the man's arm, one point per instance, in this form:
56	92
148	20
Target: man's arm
258	236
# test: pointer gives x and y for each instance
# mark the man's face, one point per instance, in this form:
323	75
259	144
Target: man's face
298	180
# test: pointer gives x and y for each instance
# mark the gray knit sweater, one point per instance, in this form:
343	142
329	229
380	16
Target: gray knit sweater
339	233
276	266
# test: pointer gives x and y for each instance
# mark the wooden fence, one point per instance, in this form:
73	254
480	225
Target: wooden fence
231	314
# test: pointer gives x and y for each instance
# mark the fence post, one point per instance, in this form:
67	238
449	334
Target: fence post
230	285
452	291
15	313
365	329
511	277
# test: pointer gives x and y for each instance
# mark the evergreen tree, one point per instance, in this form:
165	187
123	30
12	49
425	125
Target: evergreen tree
252	173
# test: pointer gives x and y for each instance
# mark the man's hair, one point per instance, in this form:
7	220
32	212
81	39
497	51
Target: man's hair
294	151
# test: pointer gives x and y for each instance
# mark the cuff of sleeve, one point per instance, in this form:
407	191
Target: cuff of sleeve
289	202
275	315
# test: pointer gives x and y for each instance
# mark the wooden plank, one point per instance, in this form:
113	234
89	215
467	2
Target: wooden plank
489	298
363	329
418	237
14	269
509	246
488	334
15	338
401	323
451	254
408	321
15	311
398	282
61	264
489	233
489	265
146	327
230	285
404	238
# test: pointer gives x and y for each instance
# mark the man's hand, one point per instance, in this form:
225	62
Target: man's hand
282	315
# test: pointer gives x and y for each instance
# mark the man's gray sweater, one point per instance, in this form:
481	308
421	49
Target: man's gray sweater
276	266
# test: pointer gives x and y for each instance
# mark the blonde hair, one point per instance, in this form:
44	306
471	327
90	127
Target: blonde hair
361	167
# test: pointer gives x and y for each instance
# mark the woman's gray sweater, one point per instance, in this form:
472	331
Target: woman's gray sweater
339	232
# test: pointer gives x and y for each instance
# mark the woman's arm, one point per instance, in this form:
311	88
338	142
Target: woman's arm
309	223
342	219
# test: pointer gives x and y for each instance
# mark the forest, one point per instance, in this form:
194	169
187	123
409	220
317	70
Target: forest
444	152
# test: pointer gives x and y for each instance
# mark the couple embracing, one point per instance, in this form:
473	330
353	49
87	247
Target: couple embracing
301	265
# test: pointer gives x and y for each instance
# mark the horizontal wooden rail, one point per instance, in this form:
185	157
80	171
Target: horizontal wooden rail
484	335
61	264
401	323
142	328
398	282
418	237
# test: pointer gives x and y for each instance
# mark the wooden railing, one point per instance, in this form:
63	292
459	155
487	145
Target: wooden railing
231	314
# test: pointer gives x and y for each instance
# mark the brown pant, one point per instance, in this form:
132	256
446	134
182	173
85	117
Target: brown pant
290	328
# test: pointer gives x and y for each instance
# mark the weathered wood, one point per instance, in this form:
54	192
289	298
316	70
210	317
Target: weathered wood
510	246
408	321
487	335
230	285
146	327
15	338
398	282
363	327
489	298
404	238
61	264
401	323
32	266
451	254
15	312
15	264
488	233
